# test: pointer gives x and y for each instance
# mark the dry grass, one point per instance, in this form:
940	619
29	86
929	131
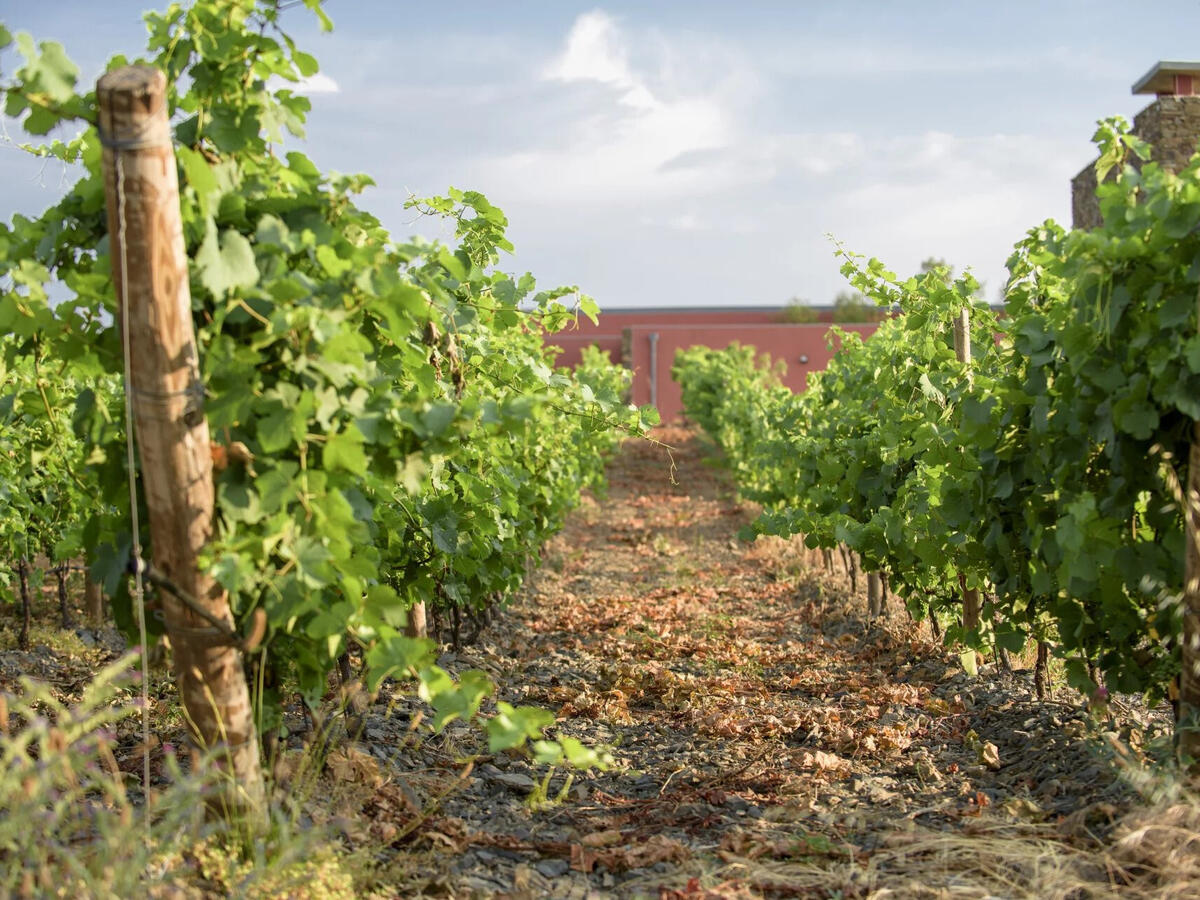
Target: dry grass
1153	853
73	822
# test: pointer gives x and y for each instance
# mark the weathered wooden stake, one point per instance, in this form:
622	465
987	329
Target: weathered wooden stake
64	607
962	349
874	595
1188	725
150	268
1002	655
883	595
26	605
93	602
1041	671
416	626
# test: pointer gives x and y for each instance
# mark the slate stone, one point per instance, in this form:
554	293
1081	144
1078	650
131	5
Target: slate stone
552	868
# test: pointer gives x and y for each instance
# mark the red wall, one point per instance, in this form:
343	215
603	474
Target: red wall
782	342
615	321
683	328
607	334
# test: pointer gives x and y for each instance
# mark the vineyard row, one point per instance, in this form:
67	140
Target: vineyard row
1028	481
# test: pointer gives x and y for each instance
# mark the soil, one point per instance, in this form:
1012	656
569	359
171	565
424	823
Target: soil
757	719
768	740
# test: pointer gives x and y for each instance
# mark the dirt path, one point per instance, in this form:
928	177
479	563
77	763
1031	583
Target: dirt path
769	741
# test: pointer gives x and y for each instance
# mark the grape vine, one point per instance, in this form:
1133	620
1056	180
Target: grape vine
1046	473
388	427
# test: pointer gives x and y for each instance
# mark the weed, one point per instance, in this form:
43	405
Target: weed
539	798
76	823
714	627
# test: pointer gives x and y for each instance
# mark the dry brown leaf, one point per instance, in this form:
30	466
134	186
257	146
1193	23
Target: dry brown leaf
351	765
601	838
989	755
583	859
824	762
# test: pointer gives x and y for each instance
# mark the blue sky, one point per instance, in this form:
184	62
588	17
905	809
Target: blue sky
697	153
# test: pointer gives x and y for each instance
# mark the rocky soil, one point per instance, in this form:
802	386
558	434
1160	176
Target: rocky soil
767	739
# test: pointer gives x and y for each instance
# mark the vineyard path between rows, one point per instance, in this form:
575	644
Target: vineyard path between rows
769	739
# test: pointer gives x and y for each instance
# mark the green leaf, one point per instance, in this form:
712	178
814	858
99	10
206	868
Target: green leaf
1010	638
49	71
513	726
302	165
929	391
1192	353
345	451
581	756
395	654
970	662
275	431
333	265
444	533
548	753
226	265
452	700
198	174
306	64
438	418
312	562
315	6
232	570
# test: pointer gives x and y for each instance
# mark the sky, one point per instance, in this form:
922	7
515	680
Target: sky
698	153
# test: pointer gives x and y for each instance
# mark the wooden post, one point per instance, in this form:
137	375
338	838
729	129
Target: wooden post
26	606
1041	671
1188	722
874	595
962	349
93	601
416	626
64	607
150	269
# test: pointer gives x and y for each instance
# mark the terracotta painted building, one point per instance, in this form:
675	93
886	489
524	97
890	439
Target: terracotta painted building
646	341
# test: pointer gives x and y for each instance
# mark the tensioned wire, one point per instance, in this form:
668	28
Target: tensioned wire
139	597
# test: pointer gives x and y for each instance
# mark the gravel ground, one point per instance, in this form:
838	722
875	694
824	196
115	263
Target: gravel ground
756	719
767	739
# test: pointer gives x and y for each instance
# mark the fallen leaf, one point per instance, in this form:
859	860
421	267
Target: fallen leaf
583	859
601	838
989	755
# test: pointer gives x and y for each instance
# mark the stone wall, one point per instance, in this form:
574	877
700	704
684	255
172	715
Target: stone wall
1171	125
1085	210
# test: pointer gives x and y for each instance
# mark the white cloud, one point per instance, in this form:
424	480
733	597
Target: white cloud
595	51
629	127
673	124
863	58
687	222
320	83
671	134
674	166
966	199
